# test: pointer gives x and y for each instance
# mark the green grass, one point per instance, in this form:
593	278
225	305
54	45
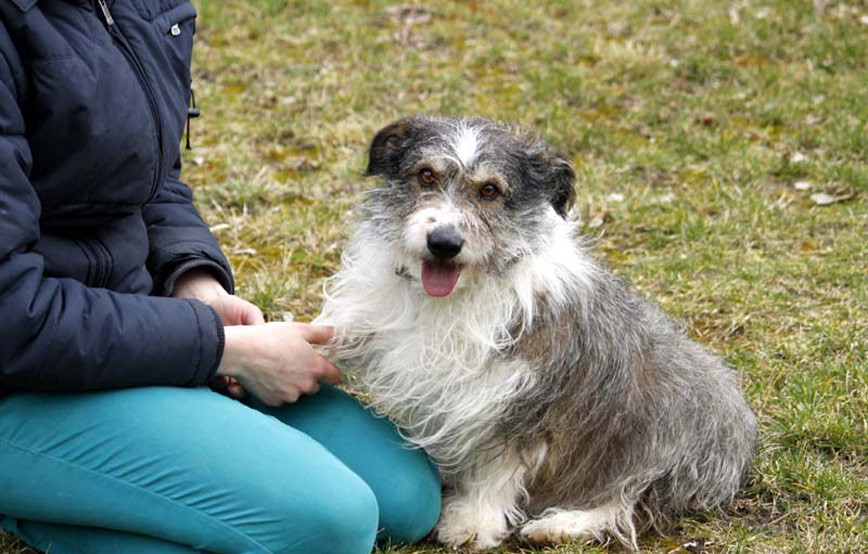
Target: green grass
702	114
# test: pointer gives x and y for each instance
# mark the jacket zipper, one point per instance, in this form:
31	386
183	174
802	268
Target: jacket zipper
120	40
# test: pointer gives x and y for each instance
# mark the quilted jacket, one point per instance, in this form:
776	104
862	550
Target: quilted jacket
95	224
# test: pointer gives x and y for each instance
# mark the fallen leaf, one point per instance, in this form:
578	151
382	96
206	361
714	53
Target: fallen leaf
824	199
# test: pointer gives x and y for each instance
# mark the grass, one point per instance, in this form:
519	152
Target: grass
700	131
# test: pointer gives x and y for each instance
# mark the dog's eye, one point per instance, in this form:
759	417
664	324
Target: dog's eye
489	191
427	179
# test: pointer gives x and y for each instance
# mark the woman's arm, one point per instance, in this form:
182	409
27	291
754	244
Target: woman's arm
178	238
60	334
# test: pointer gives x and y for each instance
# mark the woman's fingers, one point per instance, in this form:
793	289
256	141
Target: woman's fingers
327	372
321	334
236	391
220	383
229	386
316	334
252	315
310	388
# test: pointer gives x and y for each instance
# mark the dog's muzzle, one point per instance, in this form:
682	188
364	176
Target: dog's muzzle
445	243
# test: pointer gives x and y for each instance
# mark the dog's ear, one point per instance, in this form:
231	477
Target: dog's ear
564	182
389	146
554	172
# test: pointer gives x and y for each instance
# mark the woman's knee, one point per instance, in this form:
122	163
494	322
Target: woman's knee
405	483
328	523
410	508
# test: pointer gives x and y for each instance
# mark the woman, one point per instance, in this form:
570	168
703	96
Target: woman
117	308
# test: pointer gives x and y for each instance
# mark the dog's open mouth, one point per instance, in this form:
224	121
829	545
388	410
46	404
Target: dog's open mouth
439	278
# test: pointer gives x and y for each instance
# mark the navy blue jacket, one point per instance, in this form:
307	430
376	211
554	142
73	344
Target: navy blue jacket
94	224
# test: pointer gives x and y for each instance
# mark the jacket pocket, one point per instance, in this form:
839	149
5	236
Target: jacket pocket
99	268
178	21
177	27
86	260
64	257
174	30
175	23
150	9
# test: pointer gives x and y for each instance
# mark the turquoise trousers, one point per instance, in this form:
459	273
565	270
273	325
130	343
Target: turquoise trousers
171	470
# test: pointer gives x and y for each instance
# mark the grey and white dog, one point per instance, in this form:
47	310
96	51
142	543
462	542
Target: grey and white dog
556	402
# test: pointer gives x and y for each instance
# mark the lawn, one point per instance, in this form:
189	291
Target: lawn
722	158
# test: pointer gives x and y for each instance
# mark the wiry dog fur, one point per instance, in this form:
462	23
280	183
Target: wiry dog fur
554	400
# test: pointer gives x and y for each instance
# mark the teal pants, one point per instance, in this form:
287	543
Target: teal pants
173	470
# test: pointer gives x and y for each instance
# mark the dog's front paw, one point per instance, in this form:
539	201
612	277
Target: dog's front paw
561	526
465	525
543	532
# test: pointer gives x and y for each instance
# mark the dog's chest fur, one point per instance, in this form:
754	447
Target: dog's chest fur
443	369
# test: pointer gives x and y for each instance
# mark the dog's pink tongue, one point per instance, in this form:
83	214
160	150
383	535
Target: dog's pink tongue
438	278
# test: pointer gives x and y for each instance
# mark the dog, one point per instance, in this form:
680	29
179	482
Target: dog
557	403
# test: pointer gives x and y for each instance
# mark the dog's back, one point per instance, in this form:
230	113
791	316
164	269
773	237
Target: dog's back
627	385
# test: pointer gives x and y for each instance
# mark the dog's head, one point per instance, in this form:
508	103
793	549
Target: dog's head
464	196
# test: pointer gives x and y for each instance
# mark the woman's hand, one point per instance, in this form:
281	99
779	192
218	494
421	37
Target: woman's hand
201	285
276	362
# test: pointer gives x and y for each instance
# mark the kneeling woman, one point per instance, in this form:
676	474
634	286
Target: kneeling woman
117	309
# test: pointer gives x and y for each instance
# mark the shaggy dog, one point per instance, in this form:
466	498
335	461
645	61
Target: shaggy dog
556	402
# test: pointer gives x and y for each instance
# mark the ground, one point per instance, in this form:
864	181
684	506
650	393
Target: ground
721	155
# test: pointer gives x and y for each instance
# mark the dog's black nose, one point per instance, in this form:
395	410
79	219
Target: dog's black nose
445	243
